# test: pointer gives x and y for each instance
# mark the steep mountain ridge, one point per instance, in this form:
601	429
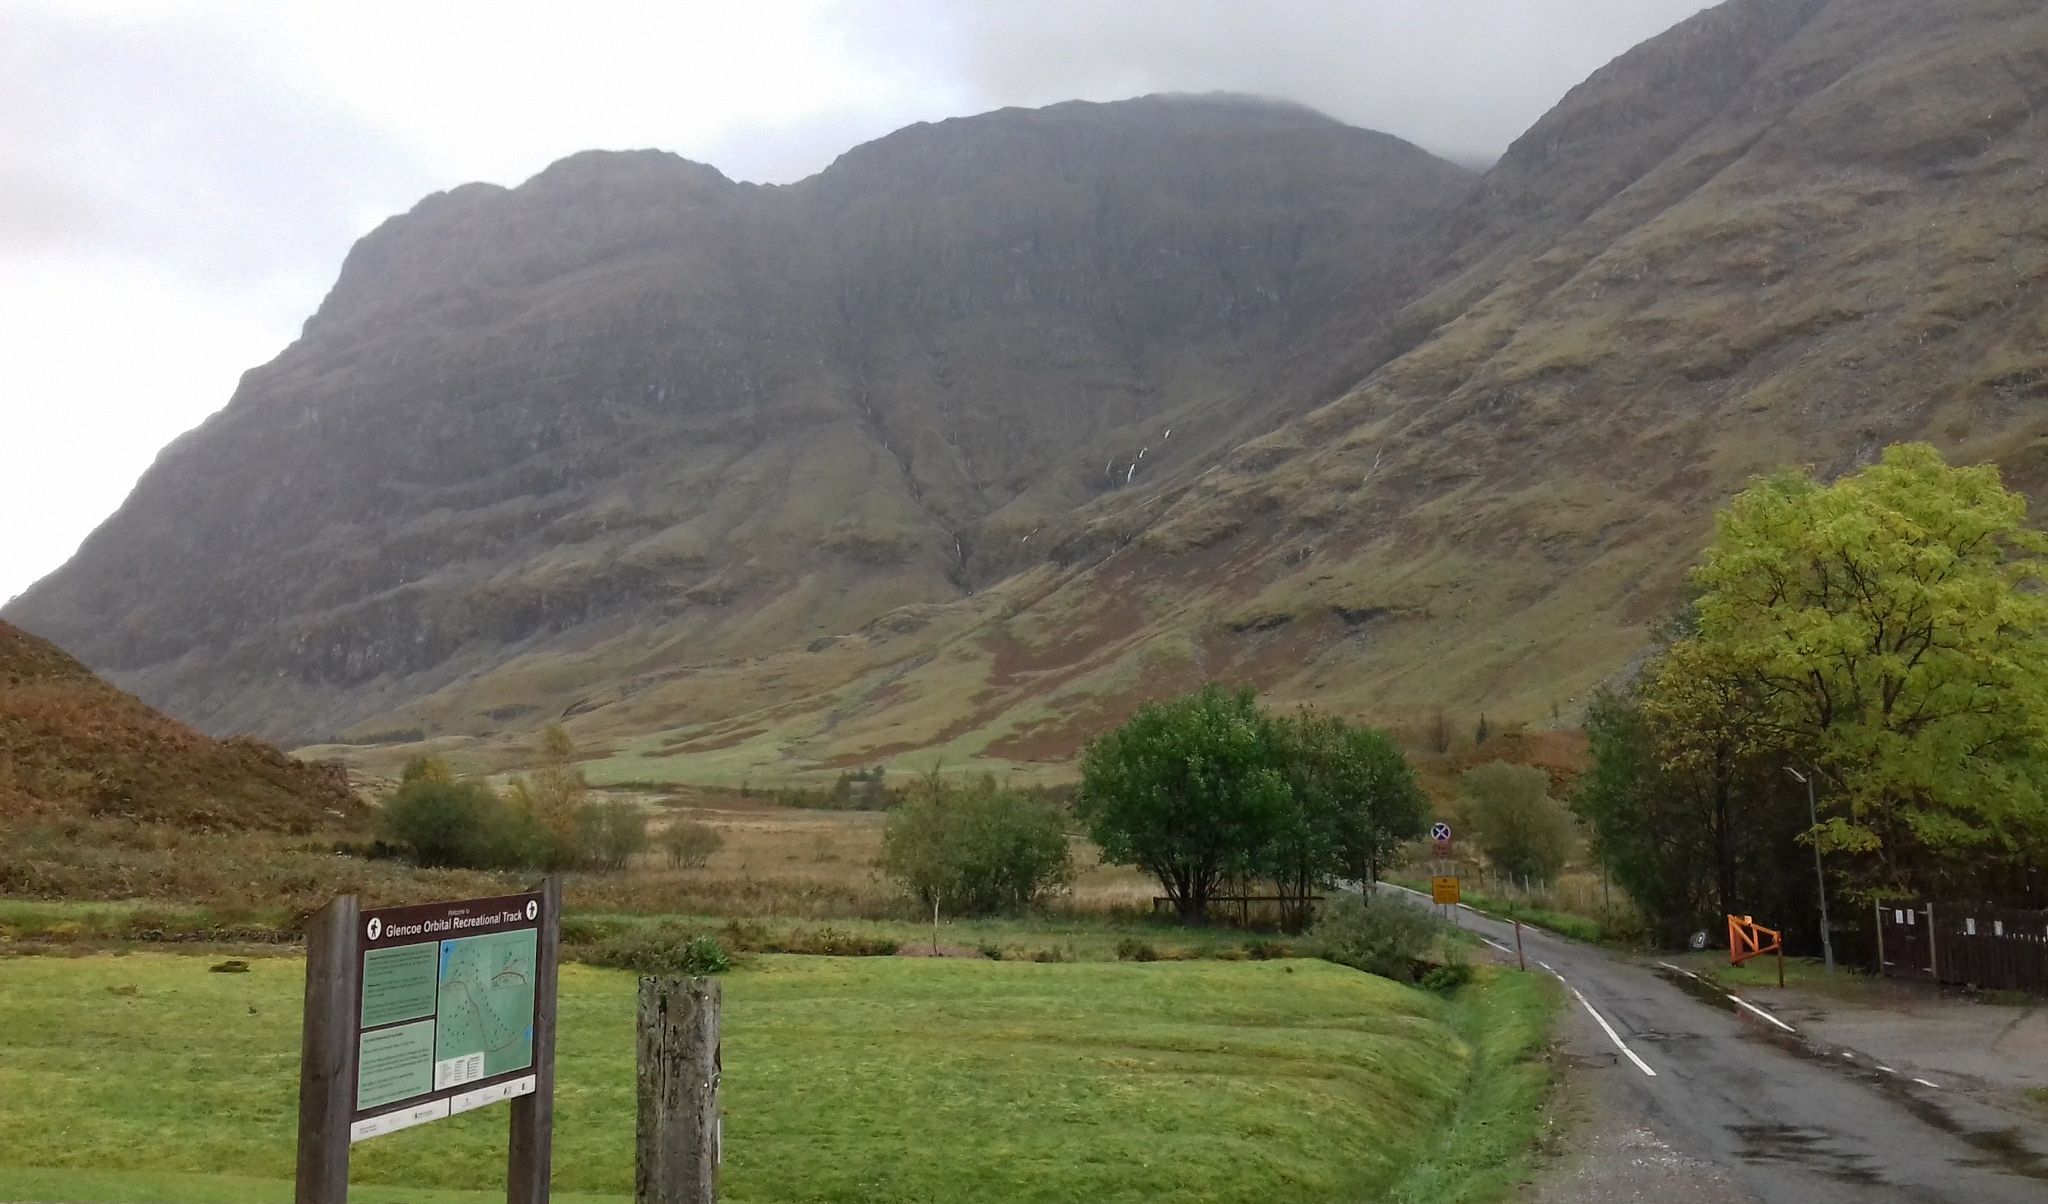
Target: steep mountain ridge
1786	231
576	408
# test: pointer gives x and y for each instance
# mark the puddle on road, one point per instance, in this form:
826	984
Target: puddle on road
2003	1149
1805	1148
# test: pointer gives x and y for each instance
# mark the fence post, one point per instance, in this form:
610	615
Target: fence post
1877	914
676	1149
327	1054
1519	959
1933	958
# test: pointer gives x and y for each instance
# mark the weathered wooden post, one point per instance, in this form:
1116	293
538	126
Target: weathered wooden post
1933	956
529	1163
677	1140
327	1054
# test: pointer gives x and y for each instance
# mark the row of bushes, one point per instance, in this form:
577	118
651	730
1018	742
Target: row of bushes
468	825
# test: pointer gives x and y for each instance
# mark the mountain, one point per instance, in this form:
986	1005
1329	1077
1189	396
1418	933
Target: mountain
1461	459
72	745
632	400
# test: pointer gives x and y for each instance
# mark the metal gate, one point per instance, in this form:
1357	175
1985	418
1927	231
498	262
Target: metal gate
1903	949
1964	944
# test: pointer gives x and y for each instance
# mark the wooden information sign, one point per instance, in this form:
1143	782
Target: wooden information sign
415	1014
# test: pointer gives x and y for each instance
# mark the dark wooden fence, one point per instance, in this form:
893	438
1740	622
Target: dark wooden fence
1964	944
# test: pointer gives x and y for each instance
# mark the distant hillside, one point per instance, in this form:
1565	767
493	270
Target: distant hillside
740	482
70	743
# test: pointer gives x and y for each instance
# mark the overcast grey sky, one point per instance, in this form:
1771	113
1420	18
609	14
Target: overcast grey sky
180	179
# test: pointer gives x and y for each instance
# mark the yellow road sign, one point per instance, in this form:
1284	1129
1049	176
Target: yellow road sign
1443	890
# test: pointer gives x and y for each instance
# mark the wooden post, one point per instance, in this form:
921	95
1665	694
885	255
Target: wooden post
1519	959
327	1054
1781	963
529	1161
1933	958
1877	913
676	1152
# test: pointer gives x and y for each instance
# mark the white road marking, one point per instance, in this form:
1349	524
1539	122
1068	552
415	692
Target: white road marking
1583	1002
1607	1028
1680	969
1766	1015
1887	1070
1925	1083
1848	1055
1496	944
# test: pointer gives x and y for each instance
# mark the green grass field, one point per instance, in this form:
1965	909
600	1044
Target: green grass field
144	1077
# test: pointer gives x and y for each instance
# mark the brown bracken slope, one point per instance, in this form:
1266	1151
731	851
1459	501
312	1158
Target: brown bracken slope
72	744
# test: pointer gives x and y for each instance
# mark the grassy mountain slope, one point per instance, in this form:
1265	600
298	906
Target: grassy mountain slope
1785	232
72	745
1782	233
636	406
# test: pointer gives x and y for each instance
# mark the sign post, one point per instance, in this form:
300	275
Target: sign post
414	1014
1443	884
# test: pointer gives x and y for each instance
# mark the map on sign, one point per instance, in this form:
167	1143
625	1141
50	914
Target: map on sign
485	1017
445	1021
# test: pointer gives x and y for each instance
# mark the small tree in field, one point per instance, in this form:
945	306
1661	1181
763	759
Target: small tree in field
555	792
1189	790
977	850
1525	834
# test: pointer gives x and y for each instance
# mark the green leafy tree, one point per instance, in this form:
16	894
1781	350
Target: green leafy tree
1525	834
977	849
1353	801
1890	629
1191	791
1690	838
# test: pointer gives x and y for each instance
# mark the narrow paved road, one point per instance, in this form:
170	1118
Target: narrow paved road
1786	1121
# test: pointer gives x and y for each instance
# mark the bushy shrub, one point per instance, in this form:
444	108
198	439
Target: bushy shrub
609	835
991	951
1131	949
978	850
657	949
1452	973
448	824
825	941
689	844
1384	937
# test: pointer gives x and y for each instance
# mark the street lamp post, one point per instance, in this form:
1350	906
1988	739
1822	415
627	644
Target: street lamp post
1827	940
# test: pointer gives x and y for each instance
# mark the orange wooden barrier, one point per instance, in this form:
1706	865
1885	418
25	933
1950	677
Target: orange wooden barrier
1748	939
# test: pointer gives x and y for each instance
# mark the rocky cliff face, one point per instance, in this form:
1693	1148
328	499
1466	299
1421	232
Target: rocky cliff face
633	393
743	480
